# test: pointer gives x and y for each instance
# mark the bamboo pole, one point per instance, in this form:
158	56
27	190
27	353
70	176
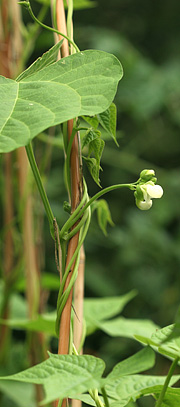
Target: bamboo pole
76	195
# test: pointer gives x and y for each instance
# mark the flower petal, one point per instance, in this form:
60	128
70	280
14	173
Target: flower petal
144	205
154	191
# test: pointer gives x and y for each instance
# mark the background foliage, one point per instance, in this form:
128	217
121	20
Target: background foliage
141	250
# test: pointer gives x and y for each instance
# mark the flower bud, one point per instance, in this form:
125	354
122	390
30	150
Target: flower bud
147	175
139	195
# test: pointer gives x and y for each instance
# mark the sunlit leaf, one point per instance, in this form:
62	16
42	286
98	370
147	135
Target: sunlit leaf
127	328
63	375
158	340
100	309
18	393
142	360
83	83
126	388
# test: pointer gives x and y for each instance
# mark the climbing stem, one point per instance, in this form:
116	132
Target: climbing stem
94	395
47	207
79	212
168	378
28	6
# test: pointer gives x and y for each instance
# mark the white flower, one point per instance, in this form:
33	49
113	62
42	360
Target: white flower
149	191
154	191
144	205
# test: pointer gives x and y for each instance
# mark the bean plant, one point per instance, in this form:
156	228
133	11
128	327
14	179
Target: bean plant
66	97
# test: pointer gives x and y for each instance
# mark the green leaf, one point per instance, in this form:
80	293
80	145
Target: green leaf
83	83
17	304
104	215
175	333
127	388
49	281
93	168
18	393
93	121
90	136
42	323
171	398
96	146
108	120
47	59
127	328
142	360
167	347
99	309
172	395
104	307
77	4
64	375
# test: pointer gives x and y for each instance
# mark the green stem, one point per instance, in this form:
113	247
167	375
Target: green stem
69	18
94	395
62	296
168	378
106	401
76	228
40	186
69	222
67	163
78	213
28	5
31	37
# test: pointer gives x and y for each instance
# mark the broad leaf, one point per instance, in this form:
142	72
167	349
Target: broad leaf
83	83
17	304
47	59
142	360
108	120
132	387
127	328
100	309
64	375
49	281
160	340
18	393
172	395
42	323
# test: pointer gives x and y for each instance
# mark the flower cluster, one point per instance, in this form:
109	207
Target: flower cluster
147	189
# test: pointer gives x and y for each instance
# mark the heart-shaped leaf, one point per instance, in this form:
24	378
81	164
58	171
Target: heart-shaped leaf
63	375
81	84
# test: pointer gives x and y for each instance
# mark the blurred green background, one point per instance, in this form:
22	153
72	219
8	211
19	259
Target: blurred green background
142	250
